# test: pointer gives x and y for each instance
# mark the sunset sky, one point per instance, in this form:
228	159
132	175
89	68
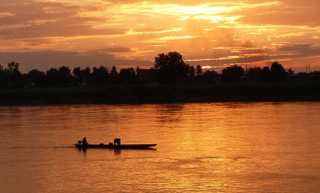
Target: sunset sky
129	33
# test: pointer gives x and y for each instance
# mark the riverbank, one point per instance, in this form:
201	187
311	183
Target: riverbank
143	94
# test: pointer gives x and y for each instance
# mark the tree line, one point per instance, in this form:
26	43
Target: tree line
168	69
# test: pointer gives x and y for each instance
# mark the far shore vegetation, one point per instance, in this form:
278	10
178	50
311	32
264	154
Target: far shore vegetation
170	80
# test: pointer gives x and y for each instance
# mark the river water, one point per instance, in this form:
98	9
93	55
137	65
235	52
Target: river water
207	147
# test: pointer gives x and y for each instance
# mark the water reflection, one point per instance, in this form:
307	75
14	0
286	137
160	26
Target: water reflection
117	151
82	150
209	147
169	108
169	113
85	150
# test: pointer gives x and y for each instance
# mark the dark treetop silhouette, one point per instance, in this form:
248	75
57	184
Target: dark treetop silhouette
170	80
168	68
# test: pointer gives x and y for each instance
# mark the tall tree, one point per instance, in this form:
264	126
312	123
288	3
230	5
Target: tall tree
171	67
278	73
198	70
128	76
78	75
192	72
52	77
3	76
14	74
210	76
253	74
232	73
86	75
65	76
114	77
100	75
265	74
36	77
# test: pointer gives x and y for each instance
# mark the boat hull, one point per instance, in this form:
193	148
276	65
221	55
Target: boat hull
122	146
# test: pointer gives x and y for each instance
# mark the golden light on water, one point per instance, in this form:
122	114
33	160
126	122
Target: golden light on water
212	147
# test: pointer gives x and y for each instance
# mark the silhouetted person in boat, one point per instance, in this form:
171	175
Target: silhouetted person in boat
84	141
117	141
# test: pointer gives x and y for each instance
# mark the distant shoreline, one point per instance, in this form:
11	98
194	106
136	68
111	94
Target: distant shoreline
161	94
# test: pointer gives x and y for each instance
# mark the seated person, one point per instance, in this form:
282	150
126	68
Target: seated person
117	141
84	141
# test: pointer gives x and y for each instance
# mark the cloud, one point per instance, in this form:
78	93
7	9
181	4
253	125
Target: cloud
63	28
26	11
300	49
44	60
115	49
112	31
286	12
44	19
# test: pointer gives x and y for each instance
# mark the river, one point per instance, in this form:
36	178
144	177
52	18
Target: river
201	147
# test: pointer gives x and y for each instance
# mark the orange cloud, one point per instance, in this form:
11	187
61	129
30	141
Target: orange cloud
205	32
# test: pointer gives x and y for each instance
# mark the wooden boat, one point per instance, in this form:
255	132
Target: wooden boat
112	146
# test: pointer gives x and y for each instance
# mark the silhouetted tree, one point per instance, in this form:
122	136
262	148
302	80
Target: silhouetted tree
77	75
3	76
232	73
291	74
65	76
35	78
278	73
99	75
14	75
171	67
315	76
13	66
192	72
258	74
81	76
265	74
210	76
86	75
146	75
114	77
52	77
302	76
254	74
61	76
128	76
198	70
